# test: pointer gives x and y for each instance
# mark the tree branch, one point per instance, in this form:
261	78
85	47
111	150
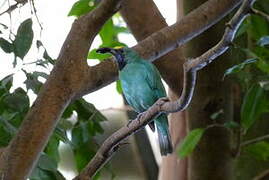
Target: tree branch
111	145
65	80
260	13
14	6
165	40
253	141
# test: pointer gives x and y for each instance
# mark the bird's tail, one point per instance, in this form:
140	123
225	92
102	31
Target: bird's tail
163	135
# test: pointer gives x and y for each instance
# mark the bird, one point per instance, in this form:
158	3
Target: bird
142	87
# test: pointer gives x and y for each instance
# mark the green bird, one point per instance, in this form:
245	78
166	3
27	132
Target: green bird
142	87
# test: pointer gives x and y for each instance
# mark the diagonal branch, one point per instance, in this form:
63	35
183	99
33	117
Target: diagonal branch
256	140
260	13
60	89
164	40
13	7
111	145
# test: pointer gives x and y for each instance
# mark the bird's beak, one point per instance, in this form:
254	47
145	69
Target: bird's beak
117	53
107	50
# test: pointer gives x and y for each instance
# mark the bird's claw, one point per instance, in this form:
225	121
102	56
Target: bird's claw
138	119
129	122
161	101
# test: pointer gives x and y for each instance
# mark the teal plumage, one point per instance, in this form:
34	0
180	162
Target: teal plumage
142	87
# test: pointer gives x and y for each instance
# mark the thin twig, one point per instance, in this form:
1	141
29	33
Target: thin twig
32	3
13	7
125	108
260	13
253	141
111	144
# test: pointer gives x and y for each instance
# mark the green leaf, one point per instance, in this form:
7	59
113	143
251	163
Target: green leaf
32	81
60	134
4	134
259	150
86	111
258	27
17	101
231	125
82	7
109	34
48	58
190	142
46	163
46	169
41	174
263	41
94	55
254	104
52	149
6	46
7	82
238	67
24	38
68	111
118	87
84	146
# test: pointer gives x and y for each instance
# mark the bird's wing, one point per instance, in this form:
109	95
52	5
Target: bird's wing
153	78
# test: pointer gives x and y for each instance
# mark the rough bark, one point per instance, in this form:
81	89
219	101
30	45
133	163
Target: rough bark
165	40
212	158
64	82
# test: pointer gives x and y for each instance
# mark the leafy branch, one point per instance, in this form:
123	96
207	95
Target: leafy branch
112	144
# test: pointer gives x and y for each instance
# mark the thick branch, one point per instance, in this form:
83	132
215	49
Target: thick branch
110	146
165	40
64	82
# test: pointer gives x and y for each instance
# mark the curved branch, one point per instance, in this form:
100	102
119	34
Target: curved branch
111	144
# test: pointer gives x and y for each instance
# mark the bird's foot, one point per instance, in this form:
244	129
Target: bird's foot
139	116
129	122
161	101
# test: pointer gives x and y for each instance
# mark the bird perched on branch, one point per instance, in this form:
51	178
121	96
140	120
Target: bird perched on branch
142	87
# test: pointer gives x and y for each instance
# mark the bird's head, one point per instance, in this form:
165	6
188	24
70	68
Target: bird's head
118	53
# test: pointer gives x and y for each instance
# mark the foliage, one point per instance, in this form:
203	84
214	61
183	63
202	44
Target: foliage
259	150
108	34
253	76
15	103
190	142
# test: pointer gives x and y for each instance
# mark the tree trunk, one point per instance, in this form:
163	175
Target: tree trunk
212	158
